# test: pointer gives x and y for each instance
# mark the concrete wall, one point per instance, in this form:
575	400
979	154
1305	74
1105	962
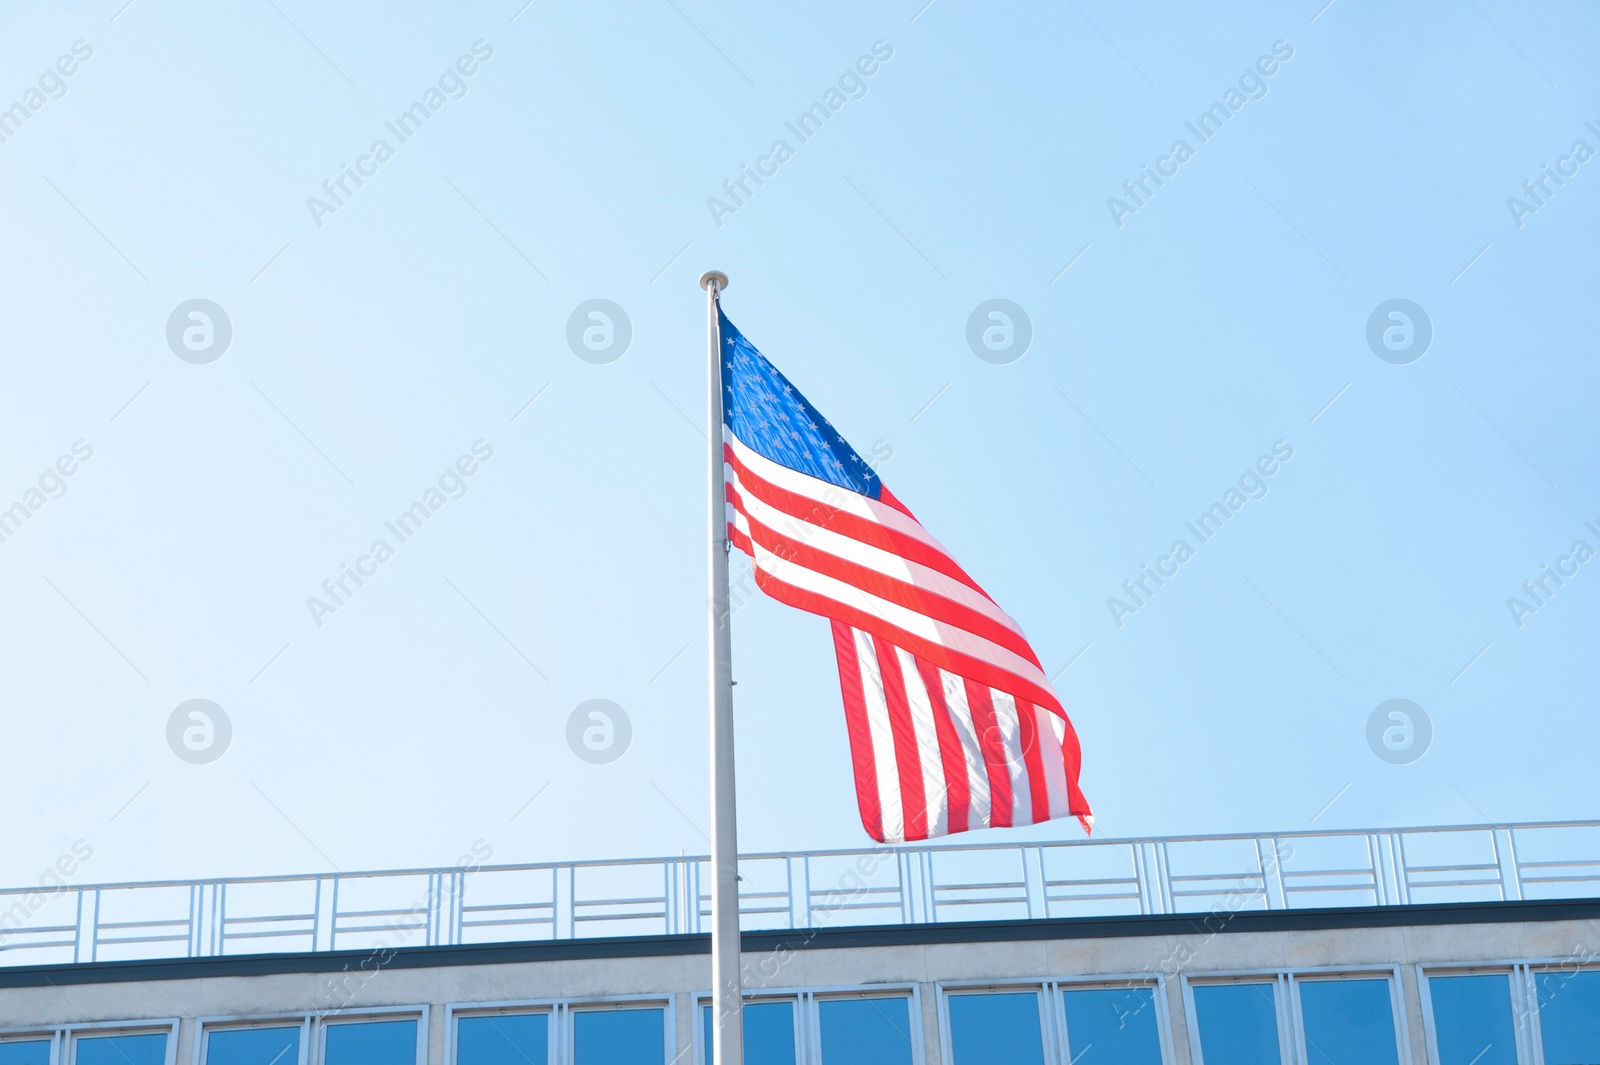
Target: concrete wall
679	979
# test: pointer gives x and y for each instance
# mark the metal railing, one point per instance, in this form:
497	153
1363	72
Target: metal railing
918	884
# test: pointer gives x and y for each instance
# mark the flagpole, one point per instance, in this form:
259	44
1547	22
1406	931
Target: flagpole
726	986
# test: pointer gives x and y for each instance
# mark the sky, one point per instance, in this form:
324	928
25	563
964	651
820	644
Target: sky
225	376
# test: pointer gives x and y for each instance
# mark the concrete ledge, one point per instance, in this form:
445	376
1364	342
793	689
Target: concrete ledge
246	965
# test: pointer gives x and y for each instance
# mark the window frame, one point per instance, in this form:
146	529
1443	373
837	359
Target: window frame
49	1034
62	1037
313	1028
808	1017
1292	1043
454	1013
1053	1011
567	1040
702	1000
814	996
1047	1025
204	1026
1521	990
65	1052
1281	992
560	1011
1397	1004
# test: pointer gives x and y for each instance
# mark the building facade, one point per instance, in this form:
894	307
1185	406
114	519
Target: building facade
1225	965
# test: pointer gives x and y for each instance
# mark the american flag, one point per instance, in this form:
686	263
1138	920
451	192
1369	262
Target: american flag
953	724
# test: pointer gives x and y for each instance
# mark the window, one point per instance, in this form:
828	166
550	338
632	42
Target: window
365	1043
768	1033
1569	1015
618	1037
142	1048
1238	1023
504	1039
1112	1026
1472	1019
865	1031
995	1027
253	1046
25	1052
1348	1022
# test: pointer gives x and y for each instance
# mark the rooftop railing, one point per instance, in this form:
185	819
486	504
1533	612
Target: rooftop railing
912	884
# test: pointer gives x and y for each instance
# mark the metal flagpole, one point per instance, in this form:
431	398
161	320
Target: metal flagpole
726	985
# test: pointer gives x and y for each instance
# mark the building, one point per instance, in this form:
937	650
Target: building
1449	946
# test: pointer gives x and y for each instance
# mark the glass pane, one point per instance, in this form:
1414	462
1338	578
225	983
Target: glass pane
619	1037
1000	1029
1348	1022
508	1039
768	1033
373	1043
147	1049
1569	1016
1472	1019
1113	1026
865	1031
253	1046
1238	1023
29	1052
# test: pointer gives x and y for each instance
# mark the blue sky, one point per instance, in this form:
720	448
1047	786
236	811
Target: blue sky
374	345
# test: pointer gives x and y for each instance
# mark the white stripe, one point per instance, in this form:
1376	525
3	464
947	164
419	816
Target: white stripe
935	792
888	774
830	494
874	558
945	635
1005	715
955	698
1052	730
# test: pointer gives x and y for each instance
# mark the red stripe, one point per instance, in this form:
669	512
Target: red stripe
1033	758
886	496
958	793
855	719
925	602
913	800
951	661
992	743
847	524
1072	759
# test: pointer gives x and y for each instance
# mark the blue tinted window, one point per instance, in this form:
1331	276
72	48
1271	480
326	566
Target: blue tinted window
1472	1019
29	1052
1238	1023
865	1031
619	1037
373	1043
1113	1026
508	1039
1348	1022
149	1049
254	1046
995	1029
768	1033
1569	1016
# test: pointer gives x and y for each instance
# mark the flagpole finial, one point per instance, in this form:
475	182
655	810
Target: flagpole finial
714	277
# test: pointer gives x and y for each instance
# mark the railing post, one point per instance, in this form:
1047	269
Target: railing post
1033	889
568	901
1271	874
1163	876
77	931
902	868
94	928
806	898
1510	865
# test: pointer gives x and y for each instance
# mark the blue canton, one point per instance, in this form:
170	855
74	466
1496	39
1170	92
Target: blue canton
771	418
